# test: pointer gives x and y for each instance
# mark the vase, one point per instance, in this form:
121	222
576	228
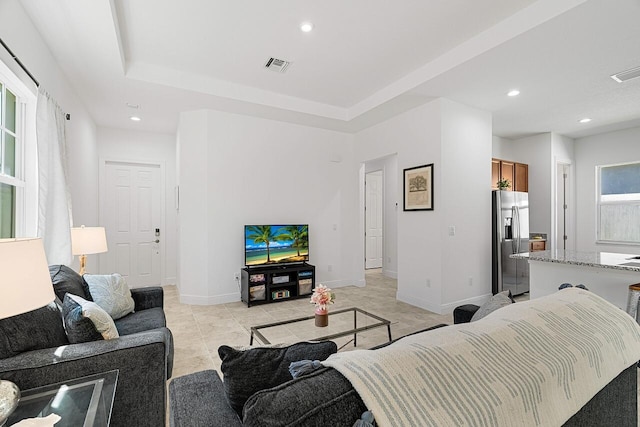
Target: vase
322	317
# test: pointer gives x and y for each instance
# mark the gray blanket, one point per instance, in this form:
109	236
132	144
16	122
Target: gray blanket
533	363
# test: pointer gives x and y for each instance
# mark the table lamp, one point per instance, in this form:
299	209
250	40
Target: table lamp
87	241
26	286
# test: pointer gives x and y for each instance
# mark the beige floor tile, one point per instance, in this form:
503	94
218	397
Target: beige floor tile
199	330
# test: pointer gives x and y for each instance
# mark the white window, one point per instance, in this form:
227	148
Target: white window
18	189
619	203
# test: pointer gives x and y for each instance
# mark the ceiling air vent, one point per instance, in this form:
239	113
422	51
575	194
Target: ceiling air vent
623	76
275	64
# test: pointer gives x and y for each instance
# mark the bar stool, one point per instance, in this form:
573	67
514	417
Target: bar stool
632	301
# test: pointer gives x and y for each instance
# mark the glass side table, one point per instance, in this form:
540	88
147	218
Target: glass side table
85	401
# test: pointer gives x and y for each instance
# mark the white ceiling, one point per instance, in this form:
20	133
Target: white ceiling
365	60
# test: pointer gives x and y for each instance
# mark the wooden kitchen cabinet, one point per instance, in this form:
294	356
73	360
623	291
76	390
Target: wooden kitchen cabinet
521	177
495	173
516	173
537	245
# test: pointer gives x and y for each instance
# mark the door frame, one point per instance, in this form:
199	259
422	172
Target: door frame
382	215
571	217
102	189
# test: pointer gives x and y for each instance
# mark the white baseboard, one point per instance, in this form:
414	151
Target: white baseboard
390	273
444	308
209	300
418	302
479	300
342	283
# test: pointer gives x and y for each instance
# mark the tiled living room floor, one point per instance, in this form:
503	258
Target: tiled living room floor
198	331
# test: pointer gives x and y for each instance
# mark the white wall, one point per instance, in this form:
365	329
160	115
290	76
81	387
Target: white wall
236	170
604	149
433	268
26	43
389	166
501	148
132	146
465	198
535	151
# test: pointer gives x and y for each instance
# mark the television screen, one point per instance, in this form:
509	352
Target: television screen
275	244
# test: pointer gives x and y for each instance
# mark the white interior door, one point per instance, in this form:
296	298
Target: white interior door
131	214
373	220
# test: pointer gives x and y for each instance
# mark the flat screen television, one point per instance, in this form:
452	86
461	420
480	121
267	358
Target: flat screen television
276	244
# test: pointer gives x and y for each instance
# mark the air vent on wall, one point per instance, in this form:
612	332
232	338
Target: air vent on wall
275	64
623	76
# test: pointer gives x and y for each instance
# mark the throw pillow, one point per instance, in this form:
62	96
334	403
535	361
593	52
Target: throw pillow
79	328
248	371
322	398
34	330
111	293
101	320
495	302
66	280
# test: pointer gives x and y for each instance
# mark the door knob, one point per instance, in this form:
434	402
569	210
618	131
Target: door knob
157	240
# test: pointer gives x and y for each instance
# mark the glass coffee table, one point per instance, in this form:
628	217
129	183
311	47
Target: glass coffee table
85	401
342	323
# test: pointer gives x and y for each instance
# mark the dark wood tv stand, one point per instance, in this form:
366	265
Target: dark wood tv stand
275	283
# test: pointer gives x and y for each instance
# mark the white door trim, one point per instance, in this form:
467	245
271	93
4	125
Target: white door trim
102	188
380	207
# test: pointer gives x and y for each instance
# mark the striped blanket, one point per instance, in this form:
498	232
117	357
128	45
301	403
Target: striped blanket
533	363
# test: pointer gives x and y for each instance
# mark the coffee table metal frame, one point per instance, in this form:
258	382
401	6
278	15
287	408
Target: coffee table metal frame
54	398
255	330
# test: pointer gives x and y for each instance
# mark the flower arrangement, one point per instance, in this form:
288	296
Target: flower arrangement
322	296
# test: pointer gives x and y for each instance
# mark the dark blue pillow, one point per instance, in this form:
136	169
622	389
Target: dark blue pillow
321	398
248	371
79	328
66	280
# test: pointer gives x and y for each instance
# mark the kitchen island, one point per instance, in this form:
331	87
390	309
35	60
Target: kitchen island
606	274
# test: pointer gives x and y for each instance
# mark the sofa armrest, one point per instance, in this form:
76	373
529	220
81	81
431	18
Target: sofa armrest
141	360
198	399
464	313
149	297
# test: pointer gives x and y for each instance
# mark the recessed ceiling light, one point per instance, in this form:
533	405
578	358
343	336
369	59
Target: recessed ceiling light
514	92
130	105
305	27
585	120
135	118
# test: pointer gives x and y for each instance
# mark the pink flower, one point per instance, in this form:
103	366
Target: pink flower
322	296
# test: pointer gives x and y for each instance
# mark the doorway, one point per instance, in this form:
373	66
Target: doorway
131	210
373	219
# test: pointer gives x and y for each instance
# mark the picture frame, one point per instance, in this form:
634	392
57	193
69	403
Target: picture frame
418	188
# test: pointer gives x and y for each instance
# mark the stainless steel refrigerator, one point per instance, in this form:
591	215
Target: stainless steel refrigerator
510	231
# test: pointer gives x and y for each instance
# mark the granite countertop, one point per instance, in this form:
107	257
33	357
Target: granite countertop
588	259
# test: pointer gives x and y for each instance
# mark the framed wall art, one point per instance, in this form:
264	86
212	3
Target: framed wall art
418	188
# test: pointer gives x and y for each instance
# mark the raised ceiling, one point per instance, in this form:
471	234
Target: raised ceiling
365	60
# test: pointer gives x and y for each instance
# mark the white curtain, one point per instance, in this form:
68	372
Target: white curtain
54	201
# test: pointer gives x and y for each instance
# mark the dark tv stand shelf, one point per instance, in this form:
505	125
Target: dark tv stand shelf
275	283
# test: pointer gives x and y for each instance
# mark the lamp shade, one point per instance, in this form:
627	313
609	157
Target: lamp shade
88	240
26	283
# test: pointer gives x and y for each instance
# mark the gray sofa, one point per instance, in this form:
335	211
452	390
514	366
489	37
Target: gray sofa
34	351
325	397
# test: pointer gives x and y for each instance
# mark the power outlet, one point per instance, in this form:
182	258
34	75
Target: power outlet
470	281
428	283
330	267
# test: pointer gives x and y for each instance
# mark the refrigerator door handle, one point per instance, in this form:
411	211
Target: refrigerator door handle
514	242
517	237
